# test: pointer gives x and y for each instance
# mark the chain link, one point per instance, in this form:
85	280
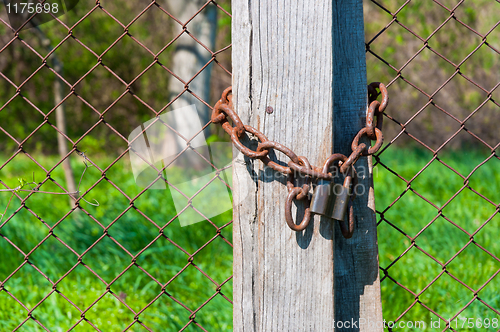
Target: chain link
223	111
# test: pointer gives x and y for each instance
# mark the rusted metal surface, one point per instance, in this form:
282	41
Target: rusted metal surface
343	197
347	228
292	195
321	197
300	164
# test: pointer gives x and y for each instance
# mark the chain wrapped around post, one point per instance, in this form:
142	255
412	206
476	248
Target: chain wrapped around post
223	112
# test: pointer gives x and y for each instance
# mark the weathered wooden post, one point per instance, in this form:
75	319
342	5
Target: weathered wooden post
357	283
283	57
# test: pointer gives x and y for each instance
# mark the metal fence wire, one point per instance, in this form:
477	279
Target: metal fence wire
438	209
115	257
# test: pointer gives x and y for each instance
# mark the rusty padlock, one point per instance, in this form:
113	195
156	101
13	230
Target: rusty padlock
323	194
321	197
343	195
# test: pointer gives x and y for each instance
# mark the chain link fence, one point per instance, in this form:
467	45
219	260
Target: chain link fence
436	180
84	246
108	254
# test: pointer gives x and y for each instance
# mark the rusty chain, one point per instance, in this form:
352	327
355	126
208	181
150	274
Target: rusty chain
223	112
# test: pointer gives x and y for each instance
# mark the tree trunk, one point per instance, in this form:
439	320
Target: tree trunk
188	59
62	143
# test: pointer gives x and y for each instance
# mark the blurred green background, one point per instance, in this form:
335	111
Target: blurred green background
403	213
437	63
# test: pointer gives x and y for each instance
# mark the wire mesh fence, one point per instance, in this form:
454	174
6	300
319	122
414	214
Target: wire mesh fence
437	176
106	253
84	247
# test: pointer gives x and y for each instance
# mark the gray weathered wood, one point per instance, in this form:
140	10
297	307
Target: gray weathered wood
357	283
282	57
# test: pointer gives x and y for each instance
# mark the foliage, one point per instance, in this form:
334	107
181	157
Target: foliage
163	259
418	30
108	70
134	232
441	238
469	60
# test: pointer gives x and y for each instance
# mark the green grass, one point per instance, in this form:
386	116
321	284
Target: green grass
163	260
441	239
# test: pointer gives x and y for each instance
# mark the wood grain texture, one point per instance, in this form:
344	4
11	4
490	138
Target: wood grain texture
357	283
282	57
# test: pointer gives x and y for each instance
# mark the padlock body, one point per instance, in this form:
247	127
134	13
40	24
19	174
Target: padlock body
321	197
341	202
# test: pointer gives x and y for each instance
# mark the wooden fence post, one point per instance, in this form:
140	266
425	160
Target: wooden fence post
357	282
282	58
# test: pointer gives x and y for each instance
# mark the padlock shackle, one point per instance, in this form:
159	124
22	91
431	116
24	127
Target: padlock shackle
351	180
347	181
348	229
